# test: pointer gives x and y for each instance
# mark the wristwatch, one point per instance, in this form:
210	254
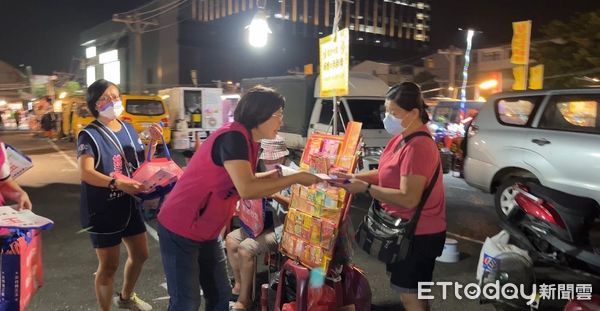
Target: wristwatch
112	185
368	188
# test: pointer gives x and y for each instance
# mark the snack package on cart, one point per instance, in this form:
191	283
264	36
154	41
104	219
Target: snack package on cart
313	223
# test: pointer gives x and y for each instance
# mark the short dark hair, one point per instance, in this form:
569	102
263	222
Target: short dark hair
257	106
94	91
408	96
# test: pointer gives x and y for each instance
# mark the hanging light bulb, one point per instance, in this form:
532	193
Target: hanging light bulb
258	30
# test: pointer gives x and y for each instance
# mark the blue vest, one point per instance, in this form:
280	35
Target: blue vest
103	210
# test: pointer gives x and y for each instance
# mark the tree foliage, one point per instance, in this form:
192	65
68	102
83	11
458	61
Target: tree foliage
570	50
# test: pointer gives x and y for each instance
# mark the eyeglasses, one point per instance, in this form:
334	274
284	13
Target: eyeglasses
278	115
109	99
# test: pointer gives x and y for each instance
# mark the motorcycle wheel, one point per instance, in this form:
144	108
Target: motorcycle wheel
505	195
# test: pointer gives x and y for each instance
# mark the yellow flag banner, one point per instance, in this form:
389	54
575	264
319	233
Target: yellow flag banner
536	77
520	42
334	63
519	75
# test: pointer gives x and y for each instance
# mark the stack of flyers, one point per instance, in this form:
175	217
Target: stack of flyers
19	163
160	178
10	217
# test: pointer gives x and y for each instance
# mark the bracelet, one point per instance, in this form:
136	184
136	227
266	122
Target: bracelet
368	189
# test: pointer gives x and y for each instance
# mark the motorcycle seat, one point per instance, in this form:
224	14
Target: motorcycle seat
564	202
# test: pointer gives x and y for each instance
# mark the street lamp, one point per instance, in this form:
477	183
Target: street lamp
258	30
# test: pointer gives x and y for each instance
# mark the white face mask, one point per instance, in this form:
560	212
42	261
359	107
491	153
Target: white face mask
392	124
112	110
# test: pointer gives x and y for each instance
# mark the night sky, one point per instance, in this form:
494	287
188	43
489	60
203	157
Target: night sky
45	33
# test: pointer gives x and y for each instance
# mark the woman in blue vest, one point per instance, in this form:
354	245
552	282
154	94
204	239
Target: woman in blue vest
222	171
108	211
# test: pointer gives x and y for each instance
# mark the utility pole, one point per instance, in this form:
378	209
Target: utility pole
451	55
136	25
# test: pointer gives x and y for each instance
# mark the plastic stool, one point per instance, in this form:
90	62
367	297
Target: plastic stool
302	274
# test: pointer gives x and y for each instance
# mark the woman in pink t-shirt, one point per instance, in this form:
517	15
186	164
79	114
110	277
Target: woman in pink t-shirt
405	171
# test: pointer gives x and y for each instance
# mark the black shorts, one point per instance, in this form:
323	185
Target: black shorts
418	265
134	226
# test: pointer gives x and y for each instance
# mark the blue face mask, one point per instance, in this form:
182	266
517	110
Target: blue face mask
392	124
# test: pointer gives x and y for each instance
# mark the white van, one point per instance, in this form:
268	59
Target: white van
306	112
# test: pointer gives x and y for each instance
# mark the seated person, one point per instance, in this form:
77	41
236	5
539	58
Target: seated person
242	250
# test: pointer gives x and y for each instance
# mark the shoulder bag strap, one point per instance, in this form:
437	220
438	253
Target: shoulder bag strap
406	139
425	196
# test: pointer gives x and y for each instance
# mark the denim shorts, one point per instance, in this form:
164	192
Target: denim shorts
190	265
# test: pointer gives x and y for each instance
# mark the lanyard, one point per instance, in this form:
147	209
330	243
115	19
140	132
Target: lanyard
117	144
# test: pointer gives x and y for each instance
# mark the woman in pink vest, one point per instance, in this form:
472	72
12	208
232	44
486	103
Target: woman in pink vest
221	172
9	189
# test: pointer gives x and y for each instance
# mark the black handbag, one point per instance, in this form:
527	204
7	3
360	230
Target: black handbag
386	237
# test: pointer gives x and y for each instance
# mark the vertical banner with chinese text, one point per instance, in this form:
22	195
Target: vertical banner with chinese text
334	64
520	53
519	75
520	43
536	77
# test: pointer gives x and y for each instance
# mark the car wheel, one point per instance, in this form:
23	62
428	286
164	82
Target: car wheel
504	200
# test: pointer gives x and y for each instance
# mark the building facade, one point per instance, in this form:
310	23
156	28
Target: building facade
490	63
209	38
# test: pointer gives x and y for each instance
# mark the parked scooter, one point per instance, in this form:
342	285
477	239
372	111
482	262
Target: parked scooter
556	227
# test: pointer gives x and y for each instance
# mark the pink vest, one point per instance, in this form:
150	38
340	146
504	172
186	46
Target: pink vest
203	200
4	168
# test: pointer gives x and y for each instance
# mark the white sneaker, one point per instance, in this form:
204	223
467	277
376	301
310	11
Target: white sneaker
133	303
